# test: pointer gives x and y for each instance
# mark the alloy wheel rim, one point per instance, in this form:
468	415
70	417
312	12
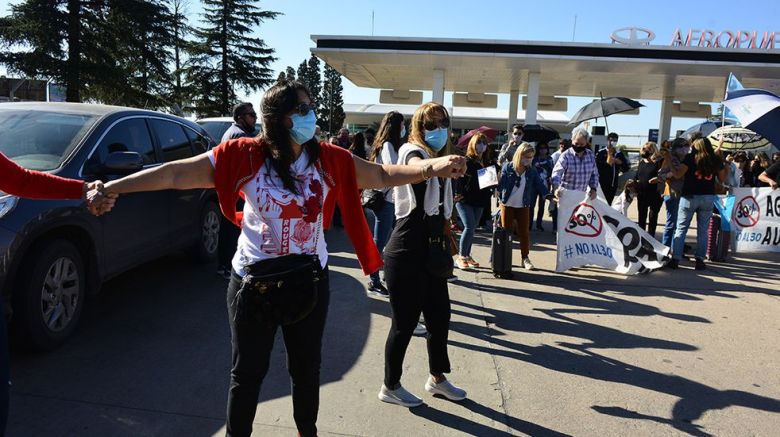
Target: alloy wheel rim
60	294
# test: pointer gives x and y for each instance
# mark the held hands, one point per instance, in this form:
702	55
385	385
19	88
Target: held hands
450	166
99	200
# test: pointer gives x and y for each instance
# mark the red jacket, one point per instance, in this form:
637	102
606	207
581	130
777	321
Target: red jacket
21	182
237	161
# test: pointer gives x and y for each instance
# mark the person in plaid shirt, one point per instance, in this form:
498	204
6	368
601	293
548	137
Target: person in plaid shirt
576	168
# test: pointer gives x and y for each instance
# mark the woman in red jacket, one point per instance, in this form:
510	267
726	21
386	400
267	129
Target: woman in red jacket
291	184
18	181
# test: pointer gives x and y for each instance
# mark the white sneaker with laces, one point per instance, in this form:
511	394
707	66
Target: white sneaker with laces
528	265
446	389
399	396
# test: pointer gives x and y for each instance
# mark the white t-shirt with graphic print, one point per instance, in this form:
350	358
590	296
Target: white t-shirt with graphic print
277	222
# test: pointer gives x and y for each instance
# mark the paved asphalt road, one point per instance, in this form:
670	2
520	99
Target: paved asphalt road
582	353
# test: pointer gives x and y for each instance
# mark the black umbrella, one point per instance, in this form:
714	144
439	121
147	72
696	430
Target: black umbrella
604	107
705	128
539	133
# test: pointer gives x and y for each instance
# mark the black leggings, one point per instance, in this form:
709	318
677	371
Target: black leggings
252	342
648	206
413	291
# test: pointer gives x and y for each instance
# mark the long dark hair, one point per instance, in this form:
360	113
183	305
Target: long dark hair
389	132
707	162
358	146
277	102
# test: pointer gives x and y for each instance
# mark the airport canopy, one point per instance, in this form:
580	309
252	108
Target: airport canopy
689	75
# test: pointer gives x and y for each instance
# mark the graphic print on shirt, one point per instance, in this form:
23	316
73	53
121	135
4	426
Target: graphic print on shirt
289	218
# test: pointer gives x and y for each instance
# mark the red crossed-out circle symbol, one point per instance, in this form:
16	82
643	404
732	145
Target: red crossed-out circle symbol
747	212
585	221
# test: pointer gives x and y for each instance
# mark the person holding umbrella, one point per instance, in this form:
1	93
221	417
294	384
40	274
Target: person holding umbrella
611	164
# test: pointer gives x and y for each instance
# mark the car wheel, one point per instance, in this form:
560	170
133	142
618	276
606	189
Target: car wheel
208	244
52	298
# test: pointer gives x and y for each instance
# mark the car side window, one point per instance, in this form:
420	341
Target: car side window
199	142
174	143
131	135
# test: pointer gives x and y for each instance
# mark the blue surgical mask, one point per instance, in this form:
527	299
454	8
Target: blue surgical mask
303	127
481	147
403	131
436	138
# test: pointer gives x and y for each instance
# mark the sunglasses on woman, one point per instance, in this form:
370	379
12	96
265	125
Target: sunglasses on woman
303	108
431	125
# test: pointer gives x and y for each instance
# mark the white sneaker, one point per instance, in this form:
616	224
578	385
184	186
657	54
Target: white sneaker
446	389
420	329
528	265
399	396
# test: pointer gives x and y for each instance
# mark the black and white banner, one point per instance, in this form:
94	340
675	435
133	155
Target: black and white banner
590	232
755	220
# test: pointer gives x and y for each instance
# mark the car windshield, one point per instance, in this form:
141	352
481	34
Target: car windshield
41	140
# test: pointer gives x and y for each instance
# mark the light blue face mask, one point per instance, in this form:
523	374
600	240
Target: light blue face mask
403	131
436	138
303	127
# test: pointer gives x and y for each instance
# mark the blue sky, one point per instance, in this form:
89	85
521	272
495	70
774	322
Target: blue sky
493	19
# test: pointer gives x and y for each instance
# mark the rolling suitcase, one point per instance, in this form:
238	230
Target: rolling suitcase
501	251
718	240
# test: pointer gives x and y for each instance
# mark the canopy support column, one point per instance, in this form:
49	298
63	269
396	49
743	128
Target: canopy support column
438	86
533	98
514	96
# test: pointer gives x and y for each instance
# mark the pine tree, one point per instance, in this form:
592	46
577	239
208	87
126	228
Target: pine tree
181	30
303	72
332	112
314	80
226	54
290	73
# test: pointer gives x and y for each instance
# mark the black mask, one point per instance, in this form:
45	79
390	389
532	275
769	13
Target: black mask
646	155
579	149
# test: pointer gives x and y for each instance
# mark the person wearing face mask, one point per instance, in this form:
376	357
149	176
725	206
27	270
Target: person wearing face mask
280	272
509	148
416	286
470	198
700	169
611	163
543	164
518	188
576	167
646	181
670	174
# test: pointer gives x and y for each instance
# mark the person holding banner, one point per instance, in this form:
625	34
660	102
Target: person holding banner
518	189
470	197
771	175
576	167
701	169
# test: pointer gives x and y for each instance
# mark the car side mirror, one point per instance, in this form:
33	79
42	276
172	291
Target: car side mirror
118	163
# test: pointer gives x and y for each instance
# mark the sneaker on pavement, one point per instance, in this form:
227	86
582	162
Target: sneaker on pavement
452	278
528	265
399	396
420	329
377	290
461	263
470	261
446	389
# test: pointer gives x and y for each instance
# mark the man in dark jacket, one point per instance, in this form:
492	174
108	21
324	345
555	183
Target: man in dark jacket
611	164
244	119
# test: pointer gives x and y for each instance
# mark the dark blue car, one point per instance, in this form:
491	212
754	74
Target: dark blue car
54	253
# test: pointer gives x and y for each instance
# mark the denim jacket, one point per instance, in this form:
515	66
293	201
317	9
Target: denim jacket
534	185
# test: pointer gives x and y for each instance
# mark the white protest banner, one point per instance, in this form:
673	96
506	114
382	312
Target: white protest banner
755	221
487	177
590	232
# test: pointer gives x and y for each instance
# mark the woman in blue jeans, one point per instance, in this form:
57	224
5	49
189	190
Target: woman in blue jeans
470	199
673	154
385	151
700	169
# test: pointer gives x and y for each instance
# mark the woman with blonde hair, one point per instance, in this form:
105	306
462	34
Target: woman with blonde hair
417	261
470	198
518	188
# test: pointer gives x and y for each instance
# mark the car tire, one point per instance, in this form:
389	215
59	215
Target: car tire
208	240
52	296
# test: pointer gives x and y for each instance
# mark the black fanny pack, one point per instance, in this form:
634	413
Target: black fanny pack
280	291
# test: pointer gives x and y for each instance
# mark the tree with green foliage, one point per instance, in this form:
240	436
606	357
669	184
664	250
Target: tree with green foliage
227	56
180	27
332	112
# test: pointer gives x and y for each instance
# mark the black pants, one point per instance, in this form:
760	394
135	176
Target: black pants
648	202
413	291
252	341
539	213
609	193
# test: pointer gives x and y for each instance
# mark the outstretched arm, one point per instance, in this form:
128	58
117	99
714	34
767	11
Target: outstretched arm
195	172
372	175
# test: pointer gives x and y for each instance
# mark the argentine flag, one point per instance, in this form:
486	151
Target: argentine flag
757	110
733	84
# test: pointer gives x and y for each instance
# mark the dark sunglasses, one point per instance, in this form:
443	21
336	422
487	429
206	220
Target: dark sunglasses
253	114
304	108
431	125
